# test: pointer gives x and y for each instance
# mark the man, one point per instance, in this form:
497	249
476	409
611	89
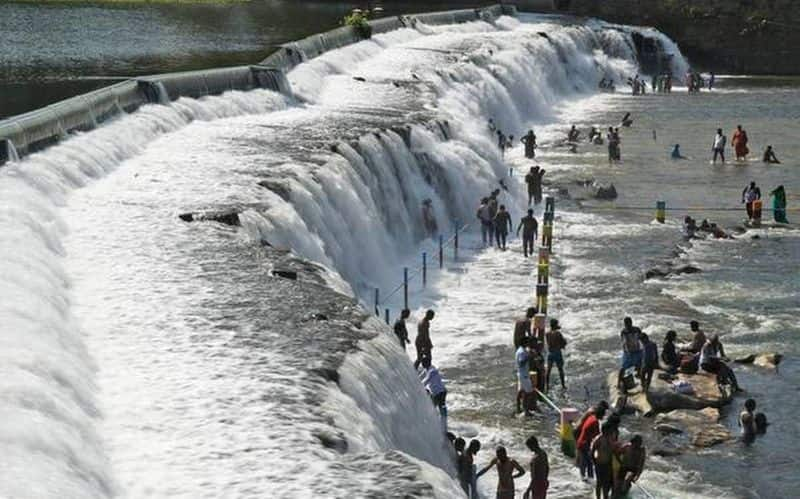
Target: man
713	360
698	338
493	204
502	224
505	473
537	196
602	449
750	195
525	397
747	421
540	471
555	344
769	156
529	140
434	384
400	328
720	141
423	340
612	145
586	434
468	464
485	220
574	135
522	327
531	179
649	362
501	143
739	141
632	457
530	230
631	347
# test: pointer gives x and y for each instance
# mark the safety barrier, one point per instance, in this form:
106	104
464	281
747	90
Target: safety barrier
38	129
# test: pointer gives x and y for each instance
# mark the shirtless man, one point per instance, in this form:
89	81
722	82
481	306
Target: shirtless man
532	179
698	338
540	471
423	339
632	456
530	229
400	328
602	452
555	344
522	327
505	473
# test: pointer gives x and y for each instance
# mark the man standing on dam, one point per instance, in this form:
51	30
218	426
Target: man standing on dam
423	339
530	229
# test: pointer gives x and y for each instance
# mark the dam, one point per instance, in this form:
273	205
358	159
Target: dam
148	356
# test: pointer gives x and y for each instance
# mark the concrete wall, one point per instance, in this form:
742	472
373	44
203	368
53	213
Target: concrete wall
43	127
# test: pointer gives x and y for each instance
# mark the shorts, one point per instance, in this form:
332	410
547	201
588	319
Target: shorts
524	384
604	474
555	357
631	359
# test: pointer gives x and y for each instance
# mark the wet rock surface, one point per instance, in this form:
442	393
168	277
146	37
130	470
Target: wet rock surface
661	397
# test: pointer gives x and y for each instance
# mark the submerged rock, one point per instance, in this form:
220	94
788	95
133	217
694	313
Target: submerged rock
286	274
701	426
227	217
770	360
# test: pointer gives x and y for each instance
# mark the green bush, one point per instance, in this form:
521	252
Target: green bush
358	20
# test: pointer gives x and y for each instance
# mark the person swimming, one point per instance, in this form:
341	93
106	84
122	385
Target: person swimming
769	156
676	152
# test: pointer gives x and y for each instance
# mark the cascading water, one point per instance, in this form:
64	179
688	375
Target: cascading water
383	104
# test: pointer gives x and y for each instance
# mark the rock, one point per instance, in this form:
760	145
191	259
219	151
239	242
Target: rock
711	436
667	451
662	398
329	440
686	269
769	360
286	274
702	426
563	192
667	429
280	188
656	272
606	193
227	217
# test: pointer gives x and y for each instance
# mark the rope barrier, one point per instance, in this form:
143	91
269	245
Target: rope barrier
688	208
547	400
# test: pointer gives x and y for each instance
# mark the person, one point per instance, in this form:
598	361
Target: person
631	347
602	450
676	152
761	423
574	135
501	142
502	224
669	353
689	226
459	444
740	143
429	218
485	219
626	120
530	229
522	327
400	328
779	204
555	344
588	412
632	457
529	139
711	80
423	340
540	471
612	145
698	338
531	179
505	473
713	360
525	396
586	434
510	142
747	421
750	195
769	156
493	205
434	384
537	196
492	126
718	147
649	362
468	465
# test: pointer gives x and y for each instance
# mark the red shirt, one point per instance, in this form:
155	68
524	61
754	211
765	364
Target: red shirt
589	430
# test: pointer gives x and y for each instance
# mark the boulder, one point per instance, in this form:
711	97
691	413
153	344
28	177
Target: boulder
286	274
656	272
686	269
661	397
281	188
227	217
769	360
702	427
667	429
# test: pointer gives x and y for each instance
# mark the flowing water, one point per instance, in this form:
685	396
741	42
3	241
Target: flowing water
157	358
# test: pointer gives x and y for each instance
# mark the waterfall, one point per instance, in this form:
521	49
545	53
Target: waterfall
161	92
11	152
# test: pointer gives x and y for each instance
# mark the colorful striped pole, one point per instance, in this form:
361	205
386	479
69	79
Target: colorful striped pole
661	211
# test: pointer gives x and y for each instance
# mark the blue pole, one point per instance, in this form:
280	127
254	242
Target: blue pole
387	316
377	301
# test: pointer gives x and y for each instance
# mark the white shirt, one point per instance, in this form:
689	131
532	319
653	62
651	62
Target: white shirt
719	141
523	363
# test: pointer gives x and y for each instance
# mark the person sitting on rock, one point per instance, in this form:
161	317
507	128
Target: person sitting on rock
712	360
669	353
698	338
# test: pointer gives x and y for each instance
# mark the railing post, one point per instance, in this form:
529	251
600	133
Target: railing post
405	287
424	269
441	251
455	240
661	211
511	172
387	315
377	302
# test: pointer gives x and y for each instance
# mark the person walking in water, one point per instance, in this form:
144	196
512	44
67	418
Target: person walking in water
423	340
525	396
529	139
750	195
739	141
501	143
530	230
586	433
485	218
400	328
779	204
531	180
505	473
555	344
769	156
502	225
602	450
537	196
720	140
540	471
493	205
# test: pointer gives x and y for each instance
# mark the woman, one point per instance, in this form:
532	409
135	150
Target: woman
740	143
779	205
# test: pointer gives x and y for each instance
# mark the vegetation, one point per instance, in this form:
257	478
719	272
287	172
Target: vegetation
359	21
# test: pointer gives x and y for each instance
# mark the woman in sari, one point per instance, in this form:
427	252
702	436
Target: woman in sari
740	143
779	205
